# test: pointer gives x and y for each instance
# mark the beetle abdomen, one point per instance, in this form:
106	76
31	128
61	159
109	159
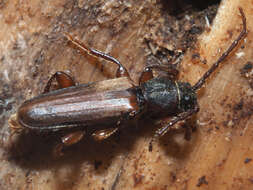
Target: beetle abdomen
84	104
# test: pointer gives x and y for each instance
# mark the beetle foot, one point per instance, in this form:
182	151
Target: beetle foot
58	151
103	134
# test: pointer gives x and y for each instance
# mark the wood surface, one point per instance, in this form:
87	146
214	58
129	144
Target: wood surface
33	47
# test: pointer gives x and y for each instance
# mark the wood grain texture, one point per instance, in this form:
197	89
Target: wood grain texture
32	48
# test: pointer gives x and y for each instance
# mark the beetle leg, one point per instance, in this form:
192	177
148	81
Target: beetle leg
163	130
121	71
171	70
68	140
188	133
64	80
146	75
103	134
14	124
72	138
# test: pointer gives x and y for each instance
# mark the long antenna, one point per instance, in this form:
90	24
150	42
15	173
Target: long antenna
202	80
122	71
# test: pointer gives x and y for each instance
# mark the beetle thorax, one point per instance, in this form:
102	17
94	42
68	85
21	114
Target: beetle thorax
164	95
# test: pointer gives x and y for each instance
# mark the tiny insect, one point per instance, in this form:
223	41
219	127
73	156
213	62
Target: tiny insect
104	107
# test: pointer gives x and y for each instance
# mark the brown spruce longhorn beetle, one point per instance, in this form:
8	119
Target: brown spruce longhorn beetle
111	103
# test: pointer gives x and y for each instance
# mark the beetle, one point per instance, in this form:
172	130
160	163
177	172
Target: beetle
106	106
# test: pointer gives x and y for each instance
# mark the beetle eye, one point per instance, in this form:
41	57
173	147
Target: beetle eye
187	98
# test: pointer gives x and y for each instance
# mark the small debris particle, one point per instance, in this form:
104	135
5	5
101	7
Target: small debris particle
195	30
195	56
247	67
173	177
228	136
247	72
239	105
230	123
1	106
207	22
97	163
202	180
251	180
137	179
239	55
247	160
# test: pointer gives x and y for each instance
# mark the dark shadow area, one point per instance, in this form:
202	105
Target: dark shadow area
180	143
180	6
35	152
